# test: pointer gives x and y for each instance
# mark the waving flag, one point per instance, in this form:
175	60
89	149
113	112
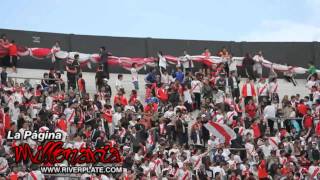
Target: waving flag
126	62
221	131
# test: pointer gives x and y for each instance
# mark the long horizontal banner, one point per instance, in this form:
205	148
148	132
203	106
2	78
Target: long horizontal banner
126	62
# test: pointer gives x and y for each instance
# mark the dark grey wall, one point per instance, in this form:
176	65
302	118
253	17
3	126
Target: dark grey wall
292	53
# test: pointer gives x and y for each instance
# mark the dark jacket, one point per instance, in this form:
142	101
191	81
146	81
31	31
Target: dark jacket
104	57
194	136
247	62
231	83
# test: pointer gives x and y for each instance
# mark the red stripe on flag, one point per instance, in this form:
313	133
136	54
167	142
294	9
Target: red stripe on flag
221	131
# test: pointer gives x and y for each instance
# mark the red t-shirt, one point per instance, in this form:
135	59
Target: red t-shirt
318	129
62	124
13	176
120	99
81	85
161	94
307	121
13	51
151	107
251	110
7	121
107	115
256	130
262	172
302	109
133	98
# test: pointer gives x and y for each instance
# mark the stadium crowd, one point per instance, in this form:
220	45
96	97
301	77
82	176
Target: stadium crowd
164	135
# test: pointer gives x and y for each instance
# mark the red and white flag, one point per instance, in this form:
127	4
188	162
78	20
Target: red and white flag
274	141
221	131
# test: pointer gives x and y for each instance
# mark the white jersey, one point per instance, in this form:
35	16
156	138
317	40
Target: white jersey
162	62
196	161
258	59
230	116
187	96
49	103
232	65
156	166
263	89
184	175
187	62
273	87
314	171
196	86
35	175
220	118
70	114
250	149
134	74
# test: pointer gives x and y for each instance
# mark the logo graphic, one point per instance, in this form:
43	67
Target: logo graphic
54	152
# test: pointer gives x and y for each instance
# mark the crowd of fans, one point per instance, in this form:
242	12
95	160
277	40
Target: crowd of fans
163	135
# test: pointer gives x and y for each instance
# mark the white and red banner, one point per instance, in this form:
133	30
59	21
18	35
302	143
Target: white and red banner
126	62
221	131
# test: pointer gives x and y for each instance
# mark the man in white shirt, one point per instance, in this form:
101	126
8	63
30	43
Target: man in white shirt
130	107
170	113
162	61
49	102
196	87
15	112
274	90
116	117
119	82
269	114
166	78
217	169
257	67
263	90
134	76
266	148
218	98
187	62
232	65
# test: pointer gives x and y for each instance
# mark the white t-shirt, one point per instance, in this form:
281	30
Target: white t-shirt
187	61
187	96
134	74
162	62
49	101
266	150
118	84
216	169
116	118
269	111
129	107
219	97
18	97
169	114
166	78
226	153
310	84
14	112
316	95
258	59
196	86
232	65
